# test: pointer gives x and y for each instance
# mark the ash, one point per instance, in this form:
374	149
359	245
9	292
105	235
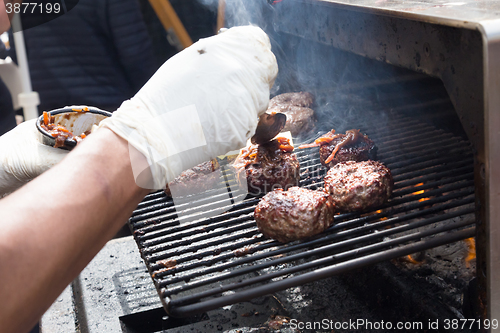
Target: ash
395	291
445	270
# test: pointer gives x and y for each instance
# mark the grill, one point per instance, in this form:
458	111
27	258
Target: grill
202	262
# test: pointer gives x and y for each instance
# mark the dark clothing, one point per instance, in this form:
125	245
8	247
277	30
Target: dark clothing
200	22
99	54
7	114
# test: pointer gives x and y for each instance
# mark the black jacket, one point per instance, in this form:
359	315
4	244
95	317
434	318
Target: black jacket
98	53
7	114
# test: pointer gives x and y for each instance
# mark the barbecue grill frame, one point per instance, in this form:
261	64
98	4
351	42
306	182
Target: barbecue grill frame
491	176
150	217
467	36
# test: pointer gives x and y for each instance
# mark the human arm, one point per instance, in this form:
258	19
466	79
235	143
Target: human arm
53	226
224	81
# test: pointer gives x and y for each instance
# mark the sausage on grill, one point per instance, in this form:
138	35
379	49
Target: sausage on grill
294	214
358	186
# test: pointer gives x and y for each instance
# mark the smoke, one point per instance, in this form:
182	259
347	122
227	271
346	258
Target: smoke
351	91
240	12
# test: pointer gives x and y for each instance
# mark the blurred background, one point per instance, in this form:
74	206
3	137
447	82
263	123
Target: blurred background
99	53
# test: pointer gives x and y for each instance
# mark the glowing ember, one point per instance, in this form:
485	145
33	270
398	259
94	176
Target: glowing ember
411	260
471	245
382	218
419	192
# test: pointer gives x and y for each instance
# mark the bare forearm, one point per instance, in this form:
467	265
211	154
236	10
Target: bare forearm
53	226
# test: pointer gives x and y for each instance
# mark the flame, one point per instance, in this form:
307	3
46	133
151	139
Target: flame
410	259
420	192
382	218
471	245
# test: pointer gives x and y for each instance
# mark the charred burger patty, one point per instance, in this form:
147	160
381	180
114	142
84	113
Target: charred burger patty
352	146
297	108
303	99
267	166
357	186
298	119
294	214
198	179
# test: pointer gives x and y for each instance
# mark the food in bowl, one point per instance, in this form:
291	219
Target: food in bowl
59	132
65	128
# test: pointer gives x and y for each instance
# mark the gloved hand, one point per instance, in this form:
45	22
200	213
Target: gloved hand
203	102
23	156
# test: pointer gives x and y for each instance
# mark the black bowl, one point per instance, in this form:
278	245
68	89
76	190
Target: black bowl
71	114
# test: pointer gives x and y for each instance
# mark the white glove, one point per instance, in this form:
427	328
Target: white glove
24	157
203	102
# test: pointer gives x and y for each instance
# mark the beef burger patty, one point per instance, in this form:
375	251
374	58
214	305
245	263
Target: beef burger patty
294	214
267	166
296	106
351	146
358	186
198	179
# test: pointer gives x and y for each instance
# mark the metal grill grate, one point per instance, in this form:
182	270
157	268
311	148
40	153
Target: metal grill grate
211	262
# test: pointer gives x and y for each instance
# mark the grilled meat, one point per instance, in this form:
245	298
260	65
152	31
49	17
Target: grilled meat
195	180
298	119
303	99
265	167
294	214
296	106
352	146
357	186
